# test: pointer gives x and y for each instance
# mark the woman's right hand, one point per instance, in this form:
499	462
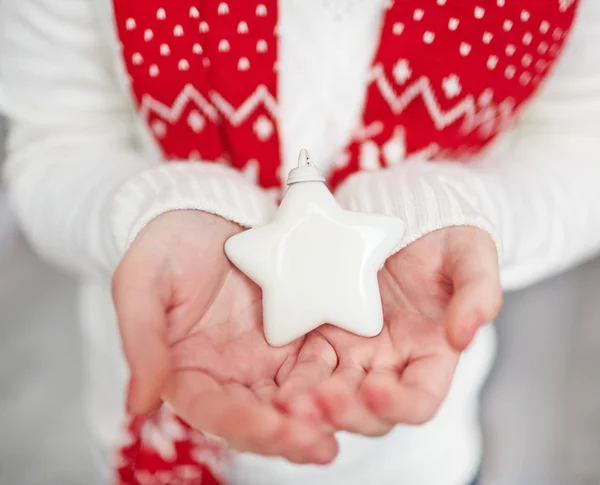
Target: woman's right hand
191	327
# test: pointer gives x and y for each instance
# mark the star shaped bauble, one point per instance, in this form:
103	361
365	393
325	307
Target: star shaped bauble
315	262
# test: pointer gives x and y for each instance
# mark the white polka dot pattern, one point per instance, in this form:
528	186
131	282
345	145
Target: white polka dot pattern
490	57
200	63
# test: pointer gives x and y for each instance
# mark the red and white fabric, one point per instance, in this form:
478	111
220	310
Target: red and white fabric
446	79
85	174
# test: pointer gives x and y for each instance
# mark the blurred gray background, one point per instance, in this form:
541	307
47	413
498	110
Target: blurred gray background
541	407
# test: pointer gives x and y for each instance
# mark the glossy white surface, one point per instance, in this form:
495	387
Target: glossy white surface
317	263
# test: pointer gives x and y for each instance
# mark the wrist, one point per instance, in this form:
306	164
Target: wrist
427	196
203	187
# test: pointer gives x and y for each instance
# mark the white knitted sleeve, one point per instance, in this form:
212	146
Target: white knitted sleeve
539	198
79	186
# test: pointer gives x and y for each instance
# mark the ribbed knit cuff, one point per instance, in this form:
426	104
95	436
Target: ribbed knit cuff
208	187
426	196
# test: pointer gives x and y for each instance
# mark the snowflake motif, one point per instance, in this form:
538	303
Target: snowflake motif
196	121
342	160
479	13
212	459
161	433
187	474
487	37
451	86
263	128
453	24
394	149
418	14
402	71
465	49
369	157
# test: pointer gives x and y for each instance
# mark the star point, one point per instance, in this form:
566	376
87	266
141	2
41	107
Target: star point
317	263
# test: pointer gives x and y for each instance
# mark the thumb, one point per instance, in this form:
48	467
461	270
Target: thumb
477	297
143	326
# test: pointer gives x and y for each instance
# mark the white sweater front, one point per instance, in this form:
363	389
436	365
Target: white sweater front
84	177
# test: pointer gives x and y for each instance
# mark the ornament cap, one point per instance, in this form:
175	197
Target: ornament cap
305	171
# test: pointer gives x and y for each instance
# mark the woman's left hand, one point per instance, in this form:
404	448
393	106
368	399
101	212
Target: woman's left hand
436	294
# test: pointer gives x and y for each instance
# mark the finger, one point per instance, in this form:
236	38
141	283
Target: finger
477	297
315	363
412	397
299	450
339	399
142	323
246	423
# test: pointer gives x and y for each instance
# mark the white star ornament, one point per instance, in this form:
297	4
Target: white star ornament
315	262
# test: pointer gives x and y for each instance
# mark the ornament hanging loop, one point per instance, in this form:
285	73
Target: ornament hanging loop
305	171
